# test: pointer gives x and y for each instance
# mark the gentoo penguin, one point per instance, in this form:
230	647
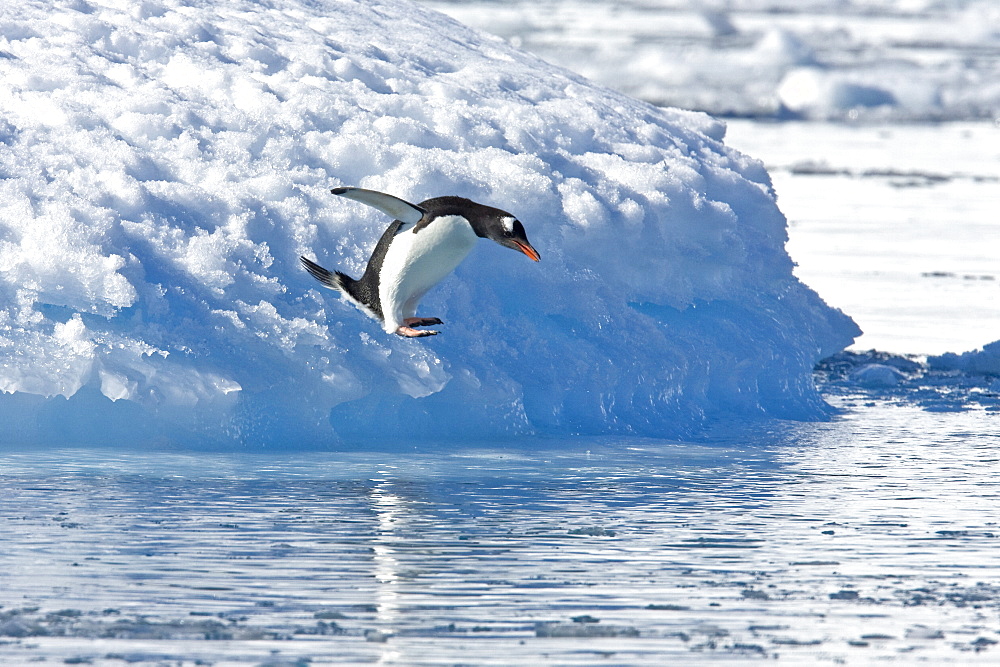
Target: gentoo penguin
424	243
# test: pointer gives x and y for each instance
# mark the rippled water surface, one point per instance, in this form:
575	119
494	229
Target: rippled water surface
859	539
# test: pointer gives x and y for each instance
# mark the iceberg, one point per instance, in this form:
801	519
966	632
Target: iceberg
163	164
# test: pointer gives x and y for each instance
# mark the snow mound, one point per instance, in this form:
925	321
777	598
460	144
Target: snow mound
165	163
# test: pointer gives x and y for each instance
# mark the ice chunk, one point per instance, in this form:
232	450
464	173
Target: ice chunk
816	91
982	362
877	375
165	167
782	48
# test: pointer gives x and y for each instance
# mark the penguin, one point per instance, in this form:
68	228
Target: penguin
424	243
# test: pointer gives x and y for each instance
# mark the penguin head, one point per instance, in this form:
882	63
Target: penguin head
487	222
508	231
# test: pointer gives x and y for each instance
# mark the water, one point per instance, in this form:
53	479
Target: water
870	537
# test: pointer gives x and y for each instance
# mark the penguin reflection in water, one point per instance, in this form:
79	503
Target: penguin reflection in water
424	243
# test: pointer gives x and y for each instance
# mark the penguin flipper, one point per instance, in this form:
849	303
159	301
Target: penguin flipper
391	206
329	279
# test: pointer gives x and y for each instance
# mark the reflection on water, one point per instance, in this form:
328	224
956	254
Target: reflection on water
873	537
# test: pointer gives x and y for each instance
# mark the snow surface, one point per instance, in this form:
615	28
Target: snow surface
164	164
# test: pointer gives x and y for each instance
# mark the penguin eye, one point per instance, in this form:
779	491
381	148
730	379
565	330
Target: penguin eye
510	225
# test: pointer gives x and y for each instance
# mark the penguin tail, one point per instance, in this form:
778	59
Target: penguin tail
331	279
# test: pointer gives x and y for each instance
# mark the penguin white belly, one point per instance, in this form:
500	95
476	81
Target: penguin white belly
416	262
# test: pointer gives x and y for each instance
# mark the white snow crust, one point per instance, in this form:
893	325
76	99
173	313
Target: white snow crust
164	163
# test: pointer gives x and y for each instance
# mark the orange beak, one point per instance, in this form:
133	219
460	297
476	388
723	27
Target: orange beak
528	250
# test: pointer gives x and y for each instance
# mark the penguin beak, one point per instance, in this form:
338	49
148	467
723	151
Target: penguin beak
526	248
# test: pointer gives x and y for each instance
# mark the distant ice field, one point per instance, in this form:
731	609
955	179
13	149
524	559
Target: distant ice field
883	60
896	225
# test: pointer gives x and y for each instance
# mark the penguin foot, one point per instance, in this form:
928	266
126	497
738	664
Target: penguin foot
407	332
421	321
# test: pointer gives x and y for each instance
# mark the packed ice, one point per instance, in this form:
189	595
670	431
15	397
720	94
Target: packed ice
166	163
985	361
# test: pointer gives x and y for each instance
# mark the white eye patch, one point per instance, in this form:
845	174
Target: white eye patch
508	224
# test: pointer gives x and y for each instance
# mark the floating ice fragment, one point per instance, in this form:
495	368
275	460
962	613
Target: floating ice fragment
812	90
877	375
983	362
582	630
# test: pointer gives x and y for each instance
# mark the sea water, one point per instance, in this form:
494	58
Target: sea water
869	537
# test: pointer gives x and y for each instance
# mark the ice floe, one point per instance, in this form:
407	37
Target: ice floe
165	164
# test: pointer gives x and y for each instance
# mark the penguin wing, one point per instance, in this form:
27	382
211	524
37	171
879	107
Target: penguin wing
392	206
